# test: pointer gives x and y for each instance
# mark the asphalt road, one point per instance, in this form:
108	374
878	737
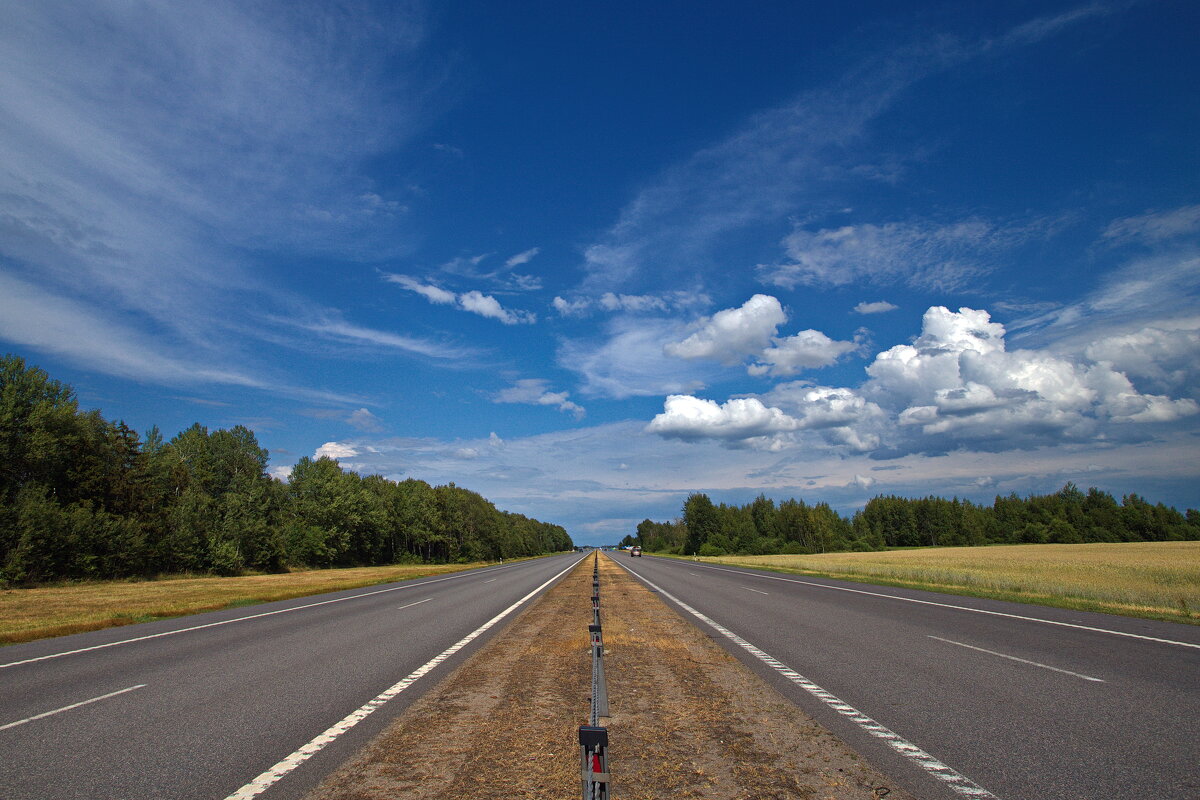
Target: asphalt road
201	706
956	702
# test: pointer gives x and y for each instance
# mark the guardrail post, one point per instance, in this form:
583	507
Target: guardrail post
593	746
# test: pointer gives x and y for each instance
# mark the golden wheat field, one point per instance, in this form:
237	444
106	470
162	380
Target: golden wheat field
1159	580
37	613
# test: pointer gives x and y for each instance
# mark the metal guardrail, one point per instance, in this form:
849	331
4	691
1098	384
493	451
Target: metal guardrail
593	738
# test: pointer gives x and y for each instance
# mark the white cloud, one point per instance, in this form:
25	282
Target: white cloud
533	391
631	303
628	361
1155	227
741	421
336	450
862	481
808	349
473	301
955	386
495	441
344	331
522	258
959	381
282	473
466	453
434	294
928	255
365	421
781	159
487	306
879	307
731	335
841	416
1168	360
571	308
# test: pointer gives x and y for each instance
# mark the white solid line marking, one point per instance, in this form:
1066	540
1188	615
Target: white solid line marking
489	581
961	608
267	779
241	619
954	780
747	588
1022	660
68	708
410	605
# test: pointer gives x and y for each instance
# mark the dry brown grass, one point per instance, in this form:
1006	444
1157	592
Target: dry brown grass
1159	580
38	613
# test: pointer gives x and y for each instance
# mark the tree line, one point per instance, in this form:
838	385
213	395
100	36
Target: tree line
762	528
83	497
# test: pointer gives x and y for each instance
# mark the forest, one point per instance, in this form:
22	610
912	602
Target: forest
83	497
1068	516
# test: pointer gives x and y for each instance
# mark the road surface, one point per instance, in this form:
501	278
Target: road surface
262	701
963	697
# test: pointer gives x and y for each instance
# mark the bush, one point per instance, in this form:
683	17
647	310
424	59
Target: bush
708	549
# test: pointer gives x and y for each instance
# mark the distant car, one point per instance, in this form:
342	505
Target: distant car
635	551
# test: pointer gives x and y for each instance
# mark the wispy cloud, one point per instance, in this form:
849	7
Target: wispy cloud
523	257
943	257
89	337
1156	226
123	152
781	157
342	331
474	301
535	391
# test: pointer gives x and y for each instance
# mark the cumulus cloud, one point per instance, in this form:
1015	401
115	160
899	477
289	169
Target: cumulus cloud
958	380
808	349
840	416
920	254
731	335
734	334
878	307
862	481
335	450
1168	360
956	386
473	301
533	391
740	421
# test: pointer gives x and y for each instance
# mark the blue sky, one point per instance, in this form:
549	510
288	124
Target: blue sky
588	258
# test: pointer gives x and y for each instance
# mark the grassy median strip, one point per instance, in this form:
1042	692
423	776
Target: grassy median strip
1153	580
42	612
688	721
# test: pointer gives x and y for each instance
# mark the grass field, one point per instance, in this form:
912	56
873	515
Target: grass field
38	613
1156	580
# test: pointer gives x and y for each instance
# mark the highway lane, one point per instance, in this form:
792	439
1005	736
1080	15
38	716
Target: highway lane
1083	713
200	706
